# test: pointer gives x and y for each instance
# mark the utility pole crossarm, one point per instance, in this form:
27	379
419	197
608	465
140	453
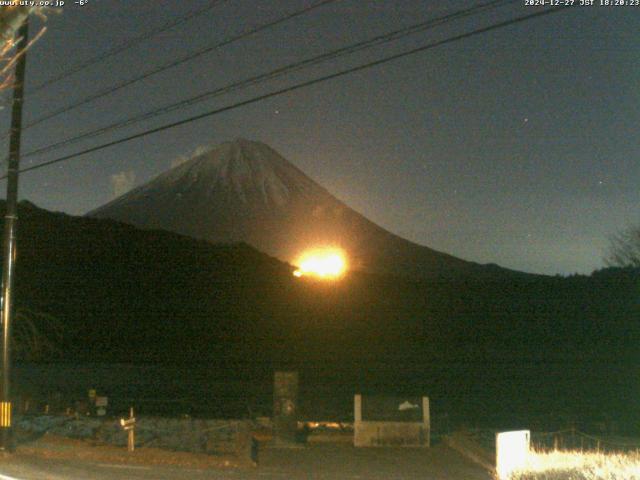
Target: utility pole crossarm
10	21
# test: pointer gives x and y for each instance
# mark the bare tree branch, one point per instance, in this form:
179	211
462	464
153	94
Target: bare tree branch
36	334
624	249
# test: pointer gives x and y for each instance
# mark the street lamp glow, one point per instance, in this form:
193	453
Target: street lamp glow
325	263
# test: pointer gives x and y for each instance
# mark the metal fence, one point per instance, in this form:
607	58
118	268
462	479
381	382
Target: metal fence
570	439
573	439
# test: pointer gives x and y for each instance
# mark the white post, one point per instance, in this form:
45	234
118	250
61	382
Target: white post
357	404
512	452
426	419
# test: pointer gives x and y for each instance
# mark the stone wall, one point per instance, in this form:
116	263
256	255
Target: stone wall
213	437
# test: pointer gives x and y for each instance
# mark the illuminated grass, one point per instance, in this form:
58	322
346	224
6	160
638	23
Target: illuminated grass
575	465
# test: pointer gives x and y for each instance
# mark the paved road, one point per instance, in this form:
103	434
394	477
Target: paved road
314	462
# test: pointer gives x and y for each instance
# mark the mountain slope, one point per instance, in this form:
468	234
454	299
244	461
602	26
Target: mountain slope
245	191
132	294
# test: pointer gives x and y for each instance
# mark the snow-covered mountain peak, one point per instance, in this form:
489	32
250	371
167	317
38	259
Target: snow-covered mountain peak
248	169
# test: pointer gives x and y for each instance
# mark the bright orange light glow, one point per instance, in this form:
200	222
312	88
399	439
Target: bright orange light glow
327	263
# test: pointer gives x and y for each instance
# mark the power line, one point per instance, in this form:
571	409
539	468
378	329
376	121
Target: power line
125	46
298	86
175	63
376	41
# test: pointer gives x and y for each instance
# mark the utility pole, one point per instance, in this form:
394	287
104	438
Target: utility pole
9	248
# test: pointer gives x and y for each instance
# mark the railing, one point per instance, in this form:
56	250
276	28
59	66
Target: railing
567	439
573	439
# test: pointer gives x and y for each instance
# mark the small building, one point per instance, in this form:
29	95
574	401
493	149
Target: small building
391	421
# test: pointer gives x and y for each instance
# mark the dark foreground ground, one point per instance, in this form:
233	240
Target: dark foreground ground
331	461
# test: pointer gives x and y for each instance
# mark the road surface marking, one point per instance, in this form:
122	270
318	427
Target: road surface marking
7	477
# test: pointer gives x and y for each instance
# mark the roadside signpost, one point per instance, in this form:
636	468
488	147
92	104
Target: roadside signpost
129	425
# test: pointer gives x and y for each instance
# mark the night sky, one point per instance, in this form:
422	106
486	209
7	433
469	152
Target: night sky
519	146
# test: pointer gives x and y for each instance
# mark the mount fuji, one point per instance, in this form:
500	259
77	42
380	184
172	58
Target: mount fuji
244	191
